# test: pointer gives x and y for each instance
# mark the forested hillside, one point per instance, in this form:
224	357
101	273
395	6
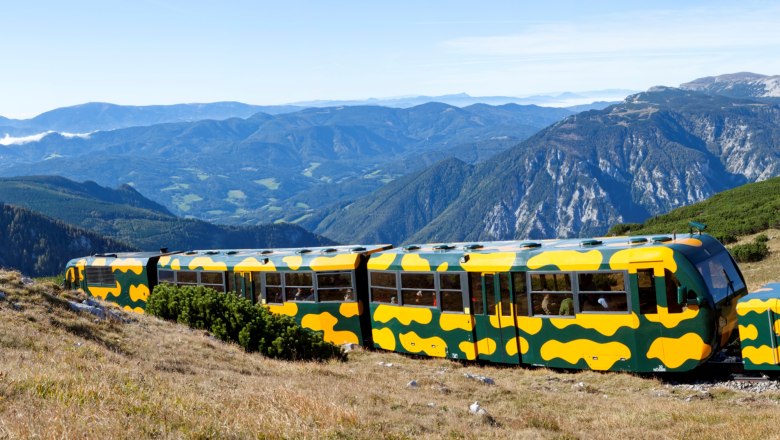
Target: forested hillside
37	245
128	216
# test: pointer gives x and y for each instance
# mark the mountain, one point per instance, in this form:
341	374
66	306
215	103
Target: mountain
270	168
655	151
37	245
96	116
565	99
738	85
126	215
750	208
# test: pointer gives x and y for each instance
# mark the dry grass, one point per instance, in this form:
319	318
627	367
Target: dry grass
65	375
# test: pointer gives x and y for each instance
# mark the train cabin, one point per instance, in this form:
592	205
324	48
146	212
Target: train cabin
759	328
636	304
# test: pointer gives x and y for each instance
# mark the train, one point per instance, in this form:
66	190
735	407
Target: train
646	304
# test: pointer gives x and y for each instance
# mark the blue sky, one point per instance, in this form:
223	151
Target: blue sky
163	52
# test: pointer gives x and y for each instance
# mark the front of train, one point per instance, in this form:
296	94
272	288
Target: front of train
716	285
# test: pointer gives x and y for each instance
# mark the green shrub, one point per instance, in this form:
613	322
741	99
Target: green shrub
235	319
750	252
761	238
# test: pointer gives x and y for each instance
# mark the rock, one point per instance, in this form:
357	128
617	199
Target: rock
412	384
475	408
348	347
78	307
483	379
2	296
384	364
27	281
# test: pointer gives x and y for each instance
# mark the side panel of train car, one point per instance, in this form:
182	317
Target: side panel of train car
759	328
324	289
607	304
125	278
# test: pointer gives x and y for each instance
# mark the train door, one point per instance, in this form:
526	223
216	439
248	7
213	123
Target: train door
657	295
494	315
241	283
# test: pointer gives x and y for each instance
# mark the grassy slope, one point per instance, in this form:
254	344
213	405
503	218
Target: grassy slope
63	374
740	211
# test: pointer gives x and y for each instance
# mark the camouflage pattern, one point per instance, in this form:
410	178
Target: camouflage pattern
339	321
130	288
632	341
759	328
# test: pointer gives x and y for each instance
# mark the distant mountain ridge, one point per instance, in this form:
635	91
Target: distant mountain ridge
97	116
738	85
655	151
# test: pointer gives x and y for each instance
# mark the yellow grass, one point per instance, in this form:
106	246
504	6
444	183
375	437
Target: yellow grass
768	270
66	375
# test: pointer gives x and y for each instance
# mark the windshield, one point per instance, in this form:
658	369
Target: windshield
721	276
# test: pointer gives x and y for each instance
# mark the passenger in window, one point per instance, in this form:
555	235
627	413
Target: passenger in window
298	295
567	307
603	302
546	304
348	295
393	300
418	297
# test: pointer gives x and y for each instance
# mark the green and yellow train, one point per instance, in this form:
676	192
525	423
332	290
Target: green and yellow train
642	304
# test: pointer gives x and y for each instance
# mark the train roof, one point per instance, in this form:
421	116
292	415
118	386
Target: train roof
768	292
577	253
140	257
270	259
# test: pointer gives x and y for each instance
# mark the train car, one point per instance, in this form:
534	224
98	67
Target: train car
759	328
643	304
323	288
124	278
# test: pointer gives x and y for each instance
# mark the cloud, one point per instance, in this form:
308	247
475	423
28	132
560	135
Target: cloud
8	140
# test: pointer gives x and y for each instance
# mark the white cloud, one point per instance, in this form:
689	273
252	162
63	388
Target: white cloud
8	140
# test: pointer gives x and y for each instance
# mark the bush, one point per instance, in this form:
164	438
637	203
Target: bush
761	238
750	252
235	319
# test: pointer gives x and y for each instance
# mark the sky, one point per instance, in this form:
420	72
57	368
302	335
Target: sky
145	52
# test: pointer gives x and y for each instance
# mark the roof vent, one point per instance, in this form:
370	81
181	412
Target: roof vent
358	249
473	246
637	240
585	243
231	252
443	247
411	247
530	244
328	250
266	252
211	253
303	251
662	239
191	253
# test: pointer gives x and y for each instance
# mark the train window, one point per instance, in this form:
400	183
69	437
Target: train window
418	289
551	294
503	285
257	285
213	280
384	287
720	274
273	287
648	302
299	286
103	276
490	295
521	294
165	276
475	293
186	277
335	286
671	292
232	286
602	292
451	292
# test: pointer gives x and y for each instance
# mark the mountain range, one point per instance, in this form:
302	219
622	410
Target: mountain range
655	151
271	168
